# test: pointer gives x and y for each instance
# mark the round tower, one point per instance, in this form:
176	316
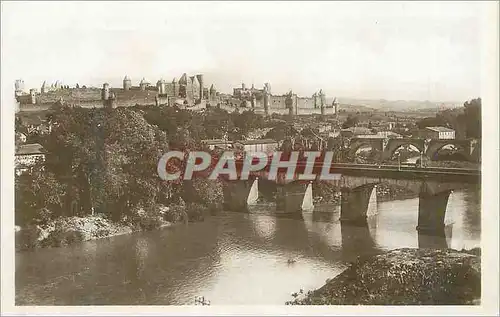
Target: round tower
19	87
200	81
143	84
127	83
105	91
212	92
191	81
160	85
33	96
266	99
43	89
336	106
183	86
175	87
322	101
289	102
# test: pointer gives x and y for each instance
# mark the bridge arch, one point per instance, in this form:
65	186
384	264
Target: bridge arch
434	146
357	143
394	144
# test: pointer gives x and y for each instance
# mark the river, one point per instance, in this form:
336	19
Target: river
231	258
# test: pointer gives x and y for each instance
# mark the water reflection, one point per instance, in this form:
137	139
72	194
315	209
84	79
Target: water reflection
357	239
323	216
264	226
462	213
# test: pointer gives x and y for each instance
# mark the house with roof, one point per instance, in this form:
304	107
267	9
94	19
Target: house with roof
27	155
437	133
217	143
355	131
21	137
258	145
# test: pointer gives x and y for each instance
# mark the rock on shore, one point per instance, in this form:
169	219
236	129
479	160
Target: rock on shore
404	277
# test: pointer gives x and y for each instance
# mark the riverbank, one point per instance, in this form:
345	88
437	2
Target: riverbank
65	231
404	277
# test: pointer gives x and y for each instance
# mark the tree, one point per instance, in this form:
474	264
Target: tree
246	121
436	121
281	132
351	121
466	122
111	155
472	113
38	196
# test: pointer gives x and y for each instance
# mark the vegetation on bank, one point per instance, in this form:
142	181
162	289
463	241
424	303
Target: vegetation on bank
64	231
328	193
404	277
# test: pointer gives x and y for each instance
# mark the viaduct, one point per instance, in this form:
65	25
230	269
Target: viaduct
356	183
468	149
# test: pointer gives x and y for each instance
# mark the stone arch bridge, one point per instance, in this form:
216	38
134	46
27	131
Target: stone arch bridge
356	186
469	149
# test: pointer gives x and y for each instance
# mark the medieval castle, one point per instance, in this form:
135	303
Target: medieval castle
187	91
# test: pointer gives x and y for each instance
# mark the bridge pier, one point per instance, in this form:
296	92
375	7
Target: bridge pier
236	195
289	197
356	238
431	211
354	204
435	241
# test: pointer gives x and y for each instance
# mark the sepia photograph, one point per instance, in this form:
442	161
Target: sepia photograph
284	154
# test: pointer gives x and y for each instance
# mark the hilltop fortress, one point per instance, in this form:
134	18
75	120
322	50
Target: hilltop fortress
187	91
262	100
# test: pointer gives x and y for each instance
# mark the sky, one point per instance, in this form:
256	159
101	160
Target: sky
372	50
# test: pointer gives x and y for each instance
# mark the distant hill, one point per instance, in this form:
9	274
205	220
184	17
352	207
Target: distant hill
394	105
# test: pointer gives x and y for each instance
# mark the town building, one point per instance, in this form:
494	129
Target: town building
259	145
217	143
437	133
21	137
389	134
355	131
28	155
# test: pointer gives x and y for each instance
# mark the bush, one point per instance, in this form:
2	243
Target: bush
404	277
325	191
62	236
44	215
175	214
148	218
27	238
209	191
196	212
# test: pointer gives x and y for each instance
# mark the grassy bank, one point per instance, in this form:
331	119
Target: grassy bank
404	277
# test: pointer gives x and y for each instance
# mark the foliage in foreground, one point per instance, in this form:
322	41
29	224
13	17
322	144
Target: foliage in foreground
404	277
